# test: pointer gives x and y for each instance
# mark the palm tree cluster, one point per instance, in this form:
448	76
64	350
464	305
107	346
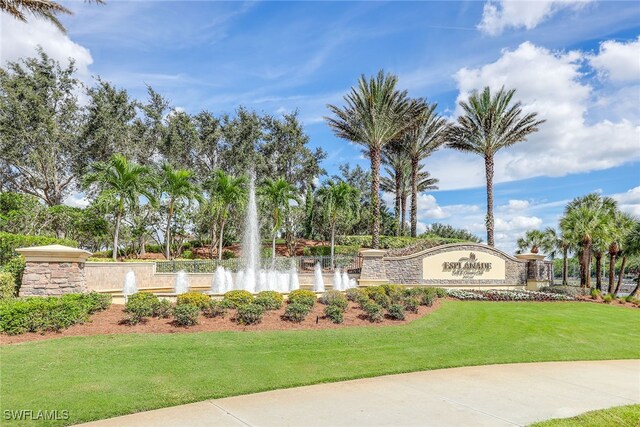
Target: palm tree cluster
593	228
402	132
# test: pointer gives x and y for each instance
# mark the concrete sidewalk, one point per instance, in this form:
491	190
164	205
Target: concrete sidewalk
495	395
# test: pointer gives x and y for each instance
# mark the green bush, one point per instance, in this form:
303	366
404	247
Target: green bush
382	299
302	296
16	267
334	298
7	285
425	296
162	309
334	312
215	309
196	299
595	294
188	254
186	314
226	254
296	312
250	314
237	298
608	298
139	306
270	300
440	292
393	242
10	242
375	291
41	314
353	294
411	304
326	250
396	312
373	311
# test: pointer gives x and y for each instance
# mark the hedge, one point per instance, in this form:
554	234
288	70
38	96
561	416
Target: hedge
7	285
392	242
10	242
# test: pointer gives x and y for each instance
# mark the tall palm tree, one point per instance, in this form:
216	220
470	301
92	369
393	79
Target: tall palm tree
45	9
340	202
558	242
376	113
490	123
176	185
622	225
227	192
599	247
632	248
586	220
533	241
421	140
120	183
278	194
395	157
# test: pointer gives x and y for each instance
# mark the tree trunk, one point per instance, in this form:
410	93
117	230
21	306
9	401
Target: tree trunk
414	197
621	275
598	257
565	267
221	240
488	164
333	239
375	196
116	233
167	232
404	213
398	202
585	279
612	271
634	293
273	247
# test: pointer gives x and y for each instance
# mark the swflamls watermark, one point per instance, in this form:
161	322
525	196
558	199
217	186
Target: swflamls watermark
36	415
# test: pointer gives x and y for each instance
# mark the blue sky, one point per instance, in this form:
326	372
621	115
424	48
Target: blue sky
576	63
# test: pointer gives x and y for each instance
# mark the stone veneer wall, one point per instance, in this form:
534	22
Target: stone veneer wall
52	278
408	269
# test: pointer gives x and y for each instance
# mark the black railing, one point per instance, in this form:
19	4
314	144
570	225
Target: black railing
304	264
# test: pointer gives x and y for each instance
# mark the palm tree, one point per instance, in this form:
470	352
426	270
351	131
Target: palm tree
278	194
122	183
376	113
586	220
176	185
622	226
599	248
632	245
421	140
558	242
394	155
533	240
488	124
45	9
226	192
340	201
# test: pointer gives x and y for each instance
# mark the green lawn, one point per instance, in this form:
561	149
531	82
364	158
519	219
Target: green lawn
105	376
621	416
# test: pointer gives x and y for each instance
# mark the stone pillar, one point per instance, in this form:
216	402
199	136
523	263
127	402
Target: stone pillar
373	271
53	270
537	271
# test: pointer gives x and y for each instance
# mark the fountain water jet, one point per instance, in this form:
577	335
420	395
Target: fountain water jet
318	281
182	283
130	286
218	286
345	280
337	280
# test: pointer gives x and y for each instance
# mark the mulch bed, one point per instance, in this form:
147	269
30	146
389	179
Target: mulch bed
110	321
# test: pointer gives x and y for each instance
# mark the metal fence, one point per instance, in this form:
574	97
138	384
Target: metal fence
304	264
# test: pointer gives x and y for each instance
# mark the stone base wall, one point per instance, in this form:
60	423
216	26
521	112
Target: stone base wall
52	278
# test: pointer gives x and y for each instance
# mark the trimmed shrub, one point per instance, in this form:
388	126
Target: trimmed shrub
334	298
440	293
372	291
139	306
411	304
595	294
607	299
237	298
302	296
215	309
196	299
270	300
353	294
16	267
296	312
334	312
506	295
226	254
162	309
188	254
10	242
186	314
7	285
396	312
250	314
373	311
41	314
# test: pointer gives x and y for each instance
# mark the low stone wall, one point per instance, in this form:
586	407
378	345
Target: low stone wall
52	278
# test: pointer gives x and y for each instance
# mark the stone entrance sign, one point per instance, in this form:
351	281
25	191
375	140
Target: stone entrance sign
463	265
455	265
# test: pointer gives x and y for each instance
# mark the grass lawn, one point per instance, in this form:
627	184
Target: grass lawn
104	376
621	416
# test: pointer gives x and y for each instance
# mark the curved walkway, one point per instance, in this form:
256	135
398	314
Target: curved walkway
495	395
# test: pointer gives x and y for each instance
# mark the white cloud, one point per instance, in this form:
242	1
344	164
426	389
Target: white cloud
629	201
20	40
77	200
550	83
500	15
515	205
619	62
